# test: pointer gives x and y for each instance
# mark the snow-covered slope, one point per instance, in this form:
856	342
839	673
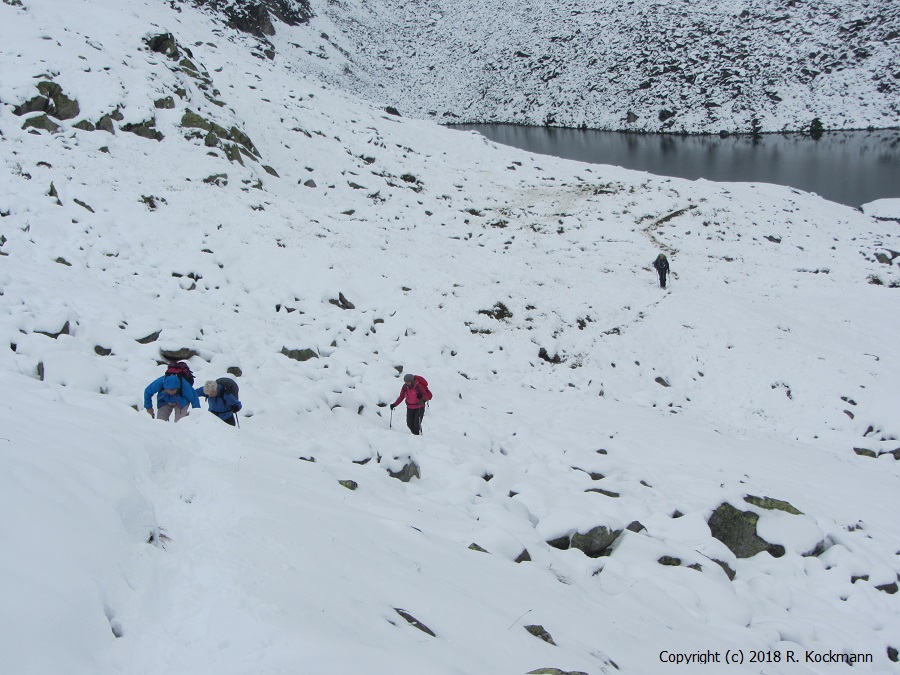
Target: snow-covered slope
645	65
205	199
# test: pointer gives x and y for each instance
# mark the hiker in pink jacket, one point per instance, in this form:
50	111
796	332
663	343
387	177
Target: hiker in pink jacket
415	392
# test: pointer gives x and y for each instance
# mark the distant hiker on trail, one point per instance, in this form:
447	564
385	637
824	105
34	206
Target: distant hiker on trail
174	391
222	396
662	268
415	392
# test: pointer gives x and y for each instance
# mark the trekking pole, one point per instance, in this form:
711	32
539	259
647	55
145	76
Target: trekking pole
236	421
391	421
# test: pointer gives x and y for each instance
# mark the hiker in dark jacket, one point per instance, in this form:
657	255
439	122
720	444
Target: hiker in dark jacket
415	398
662	268
172	393
222	396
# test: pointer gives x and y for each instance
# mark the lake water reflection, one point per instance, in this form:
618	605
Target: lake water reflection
850	167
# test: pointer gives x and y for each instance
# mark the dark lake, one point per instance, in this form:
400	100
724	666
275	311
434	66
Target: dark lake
850	167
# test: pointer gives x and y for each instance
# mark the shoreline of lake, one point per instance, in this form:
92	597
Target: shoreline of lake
849	167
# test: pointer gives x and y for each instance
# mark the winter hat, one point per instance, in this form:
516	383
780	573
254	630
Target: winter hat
210	388
409	377
172	382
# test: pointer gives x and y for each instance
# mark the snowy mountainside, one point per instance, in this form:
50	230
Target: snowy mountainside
708	66
170	190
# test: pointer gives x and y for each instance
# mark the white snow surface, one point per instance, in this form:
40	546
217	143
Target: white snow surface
768	368
888	209
704	66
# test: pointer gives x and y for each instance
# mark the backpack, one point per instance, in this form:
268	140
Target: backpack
422	385
182	370
228	386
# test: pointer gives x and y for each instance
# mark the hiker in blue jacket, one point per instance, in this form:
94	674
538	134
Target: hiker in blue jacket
173	393
222	396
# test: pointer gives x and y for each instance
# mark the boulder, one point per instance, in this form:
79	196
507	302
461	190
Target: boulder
182	354
342	302
42	122
414	621
144	130
595	541
409	471
771	504
737	530
61	106
165	44
299	354
538	631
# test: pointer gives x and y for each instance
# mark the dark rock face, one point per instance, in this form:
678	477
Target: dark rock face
707	67
253	19
164	44
256	17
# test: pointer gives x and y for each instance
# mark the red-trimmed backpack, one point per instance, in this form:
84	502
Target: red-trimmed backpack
422	386
182	370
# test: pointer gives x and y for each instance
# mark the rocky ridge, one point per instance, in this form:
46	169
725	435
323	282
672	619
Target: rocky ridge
708	66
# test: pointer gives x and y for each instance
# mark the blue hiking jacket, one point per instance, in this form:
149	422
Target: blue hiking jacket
222	405
186	396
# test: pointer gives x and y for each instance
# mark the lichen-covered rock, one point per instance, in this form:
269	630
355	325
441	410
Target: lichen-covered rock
771	504
737	530
299	354
144	130
105	123
595	541
52	101
538	631
36	104
61	106
42	122
192	120
218	179
165	44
